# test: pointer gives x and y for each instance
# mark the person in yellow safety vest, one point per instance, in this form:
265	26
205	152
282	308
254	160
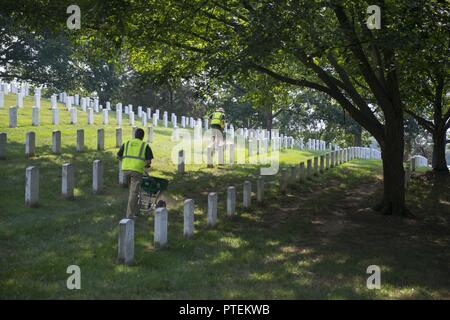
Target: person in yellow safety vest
136	155
217	125
218	119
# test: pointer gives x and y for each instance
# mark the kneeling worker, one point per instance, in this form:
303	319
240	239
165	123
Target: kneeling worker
136	155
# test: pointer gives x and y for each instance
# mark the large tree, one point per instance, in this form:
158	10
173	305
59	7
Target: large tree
322	45
426	88
38	57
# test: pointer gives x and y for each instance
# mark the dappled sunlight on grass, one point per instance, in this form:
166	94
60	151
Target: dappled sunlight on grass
267	276
222	257
233	242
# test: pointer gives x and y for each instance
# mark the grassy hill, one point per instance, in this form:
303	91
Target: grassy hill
290	247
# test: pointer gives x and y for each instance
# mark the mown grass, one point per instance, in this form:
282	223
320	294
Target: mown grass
315	241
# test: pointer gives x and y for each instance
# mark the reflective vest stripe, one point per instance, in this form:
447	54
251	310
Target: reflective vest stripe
126	148
132	157
141	150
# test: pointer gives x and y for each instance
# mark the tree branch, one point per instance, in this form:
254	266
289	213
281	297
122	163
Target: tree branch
364	65
426	124
296	82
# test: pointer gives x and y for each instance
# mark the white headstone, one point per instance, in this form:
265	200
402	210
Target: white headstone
212	209
80	140
90	116
19	100
2	99
55	116
35	116
101	139
181	164
31	186
13	117
150	134
126	241
97	176
119	114
68	181
105	116
73	115
188	213
231	201
131	115
165	119
30	144
160	232
56	141
37	100
118	137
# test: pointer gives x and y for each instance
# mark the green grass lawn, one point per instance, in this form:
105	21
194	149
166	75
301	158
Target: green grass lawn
315	241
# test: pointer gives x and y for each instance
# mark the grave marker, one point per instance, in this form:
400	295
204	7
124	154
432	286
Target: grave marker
13	117
212	209
188	214
231	201
126	241
80	140
101	139
30	144
68	181
3	141
97	176
31	186
160	232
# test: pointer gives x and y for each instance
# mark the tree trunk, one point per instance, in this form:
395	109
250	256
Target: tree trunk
170	92
439	162
269	120
392	147
358	137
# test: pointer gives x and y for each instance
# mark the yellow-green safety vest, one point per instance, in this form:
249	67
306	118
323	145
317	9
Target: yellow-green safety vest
134	155
217	118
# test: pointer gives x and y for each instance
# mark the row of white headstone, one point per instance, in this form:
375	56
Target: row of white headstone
30	141
419	161
92	105
87	104
313	166
295	174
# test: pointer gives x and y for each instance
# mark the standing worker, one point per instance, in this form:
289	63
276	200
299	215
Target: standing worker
218	123
136	155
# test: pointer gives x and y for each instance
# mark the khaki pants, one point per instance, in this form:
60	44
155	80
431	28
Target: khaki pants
134	181
217	134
